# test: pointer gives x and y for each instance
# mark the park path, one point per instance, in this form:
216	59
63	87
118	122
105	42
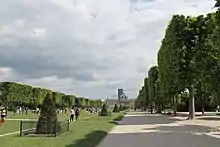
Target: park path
146	130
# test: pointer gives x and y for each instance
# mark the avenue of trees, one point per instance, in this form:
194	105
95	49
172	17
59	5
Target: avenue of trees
16	94
187	77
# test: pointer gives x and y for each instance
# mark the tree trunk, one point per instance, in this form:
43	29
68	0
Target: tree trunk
150	84
174	106
202	105
203	111
160	108
191	102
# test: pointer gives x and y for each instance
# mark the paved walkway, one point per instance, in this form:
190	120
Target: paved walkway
146	130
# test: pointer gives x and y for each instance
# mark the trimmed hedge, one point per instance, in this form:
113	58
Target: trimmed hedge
21	94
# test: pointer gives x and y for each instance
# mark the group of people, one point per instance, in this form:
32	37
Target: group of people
20	110
74	113
92	110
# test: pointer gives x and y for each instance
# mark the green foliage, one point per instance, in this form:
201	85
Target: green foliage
58	98
11	107
120	108
20	94
47	122
14	92
39	95
104	111
189	57
116	109
68	100
124	108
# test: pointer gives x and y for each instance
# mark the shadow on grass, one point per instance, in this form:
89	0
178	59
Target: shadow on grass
184	129
90	140
119	118
114	122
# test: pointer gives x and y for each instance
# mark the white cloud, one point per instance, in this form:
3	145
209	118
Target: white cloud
86	47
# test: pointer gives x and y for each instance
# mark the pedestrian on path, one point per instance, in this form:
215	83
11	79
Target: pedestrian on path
3	115
72	113
77	113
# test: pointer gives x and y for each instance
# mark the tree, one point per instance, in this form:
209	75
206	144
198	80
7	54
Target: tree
104	111
47	121
120	108
169	61
153	76
146	99
141	101
116	108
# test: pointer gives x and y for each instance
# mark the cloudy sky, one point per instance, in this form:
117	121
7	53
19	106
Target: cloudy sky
85	47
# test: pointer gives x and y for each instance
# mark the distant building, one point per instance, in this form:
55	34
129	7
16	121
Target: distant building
120	92
123	97
124	102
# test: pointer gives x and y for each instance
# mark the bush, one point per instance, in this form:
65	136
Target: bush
47	121
120	108
104	111
116	108
11	107
124	108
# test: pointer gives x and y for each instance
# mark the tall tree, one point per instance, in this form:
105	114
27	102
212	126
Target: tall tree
169	60
152	78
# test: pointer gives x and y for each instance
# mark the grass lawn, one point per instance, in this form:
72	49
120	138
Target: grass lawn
13	125
35	116
84	133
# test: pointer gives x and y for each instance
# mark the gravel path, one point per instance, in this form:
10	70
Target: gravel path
146	130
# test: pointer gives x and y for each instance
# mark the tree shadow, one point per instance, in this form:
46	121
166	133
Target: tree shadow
184	129
90	140
209	118
114	122
147	120
159	139
119	118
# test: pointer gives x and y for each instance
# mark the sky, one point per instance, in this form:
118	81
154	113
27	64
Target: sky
87	48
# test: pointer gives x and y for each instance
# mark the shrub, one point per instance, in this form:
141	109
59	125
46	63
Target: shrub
104	111
124	108
120	108
47	121
116	108
11	107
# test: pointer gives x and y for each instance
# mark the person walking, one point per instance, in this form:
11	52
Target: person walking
77	114
3	115
72	113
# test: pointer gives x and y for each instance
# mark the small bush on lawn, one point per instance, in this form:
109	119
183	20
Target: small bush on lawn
120	108
104	111
48	117
116	108
124	108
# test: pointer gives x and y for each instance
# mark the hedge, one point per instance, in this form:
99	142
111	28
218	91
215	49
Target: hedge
21	94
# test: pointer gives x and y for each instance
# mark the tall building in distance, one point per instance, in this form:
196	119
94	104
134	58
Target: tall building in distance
120	92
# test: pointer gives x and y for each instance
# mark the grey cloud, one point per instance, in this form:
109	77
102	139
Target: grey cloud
80	53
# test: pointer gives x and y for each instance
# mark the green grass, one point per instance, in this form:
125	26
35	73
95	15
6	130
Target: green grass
13	125
9	126
84	133
35	116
